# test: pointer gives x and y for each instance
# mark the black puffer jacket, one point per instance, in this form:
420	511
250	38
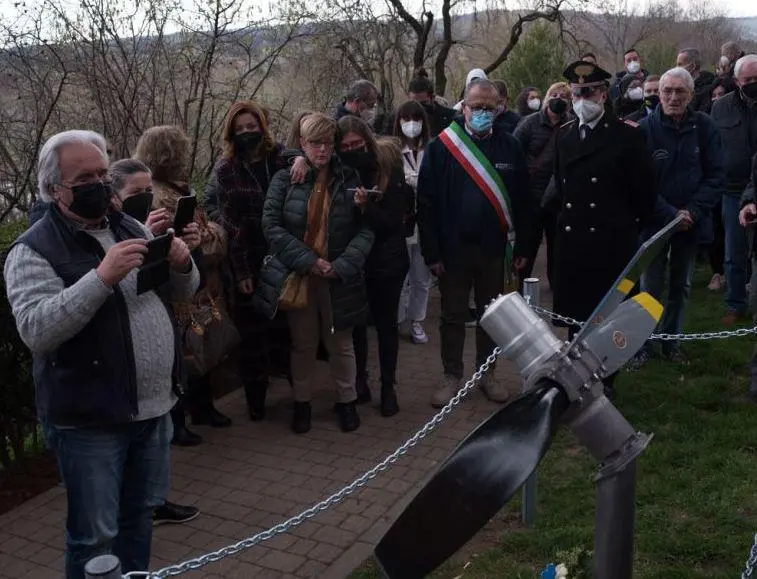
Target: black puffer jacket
285	216
388	220
538	138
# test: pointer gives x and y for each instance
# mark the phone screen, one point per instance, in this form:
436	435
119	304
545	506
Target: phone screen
158	248
185	213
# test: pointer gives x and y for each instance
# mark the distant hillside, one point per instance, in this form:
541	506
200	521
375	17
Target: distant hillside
748	25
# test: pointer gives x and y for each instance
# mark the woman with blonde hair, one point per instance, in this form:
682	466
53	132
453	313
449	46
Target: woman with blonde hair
165	150
538	133
315	268
250	159
386	203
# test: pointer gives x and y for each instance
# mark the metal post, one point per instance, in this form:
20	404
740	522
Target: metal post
103	567
528	502
616	511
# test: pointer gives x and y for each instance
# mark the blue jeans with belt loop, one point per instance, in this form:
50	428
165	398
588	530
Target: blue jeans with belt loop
115	476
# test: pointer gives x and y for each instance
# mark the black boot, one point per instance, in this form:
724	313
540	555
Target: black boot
362	390
181	435
301	417
389	406
210	417
348	416
255	393
203	411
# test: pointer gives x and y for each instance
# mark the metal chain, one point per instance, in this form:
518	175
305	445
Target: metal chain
660	337
751	562
335	498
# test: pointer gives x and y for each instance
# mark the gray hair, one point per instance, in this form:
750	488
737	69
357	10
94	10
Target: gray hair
741	62
361	90
48	167
681	73
694	57
122	170
482	84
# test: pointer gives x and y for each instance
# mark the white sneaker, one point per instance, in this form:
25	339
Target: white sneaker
417	333
443	394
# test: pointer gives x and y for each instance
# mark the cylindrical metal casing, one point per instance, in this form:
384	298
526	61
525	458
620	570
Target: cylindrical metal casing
601	428
103	567
523	336
531	291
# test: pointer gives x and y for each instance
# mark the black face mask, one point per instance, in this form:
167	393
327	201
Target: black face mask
651	101
138	206
91	200
360	160
246	142
558	106
750	90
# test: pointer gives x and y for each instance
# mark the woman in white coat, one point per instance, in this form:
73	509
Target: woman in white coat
411	127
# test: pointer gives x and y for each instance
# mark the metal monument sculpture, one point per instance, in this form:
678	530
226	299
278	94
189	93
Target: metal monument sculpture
563	386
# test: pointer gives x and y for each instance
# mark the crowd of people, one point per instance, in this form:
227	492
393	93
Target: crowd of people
296	248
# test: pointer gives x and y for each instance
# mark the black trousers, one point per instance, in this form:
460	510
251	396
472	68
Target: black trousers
546	224
717	247
383	300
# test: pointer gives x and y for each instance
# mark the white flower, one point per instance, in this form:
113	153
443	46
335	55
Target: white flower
561	571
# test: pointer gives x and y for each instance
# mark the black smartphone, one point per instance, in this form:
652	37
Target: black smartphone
185	213
158	248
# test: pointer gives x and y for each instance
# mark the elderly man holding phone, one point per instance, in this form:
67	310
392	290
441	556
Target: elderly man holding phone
104	355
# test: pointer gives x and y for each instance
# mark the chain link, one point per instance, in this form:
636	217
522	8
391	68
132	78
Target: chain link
741	332
335	498
751	562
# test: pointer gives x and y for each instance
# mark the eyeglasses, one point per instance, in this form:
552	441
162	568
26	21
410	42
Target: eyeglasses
674	91
477	108
321	144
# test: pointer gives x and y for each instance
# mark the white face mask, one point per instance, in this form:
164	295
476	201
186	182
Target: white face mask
368	116
534	104
633	67
635	94
411	129
587	110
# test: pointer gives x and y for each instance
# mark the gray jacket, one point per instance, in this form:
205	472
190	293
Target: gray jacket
738	127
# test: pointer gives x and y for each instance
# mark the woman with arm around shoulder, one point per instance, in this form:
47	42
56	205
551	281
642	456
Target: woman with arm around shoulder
411	127
384	200
315	232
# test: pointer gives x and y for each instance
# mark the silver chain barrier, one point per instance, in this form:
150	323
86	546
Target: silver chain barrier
751	562
335	498
660	337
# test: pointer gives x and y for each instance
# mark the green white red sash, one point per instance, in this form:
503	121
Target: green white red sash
483	174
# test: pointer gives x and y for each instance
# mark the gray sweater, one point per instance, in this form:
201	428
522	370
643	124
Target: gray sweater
49	314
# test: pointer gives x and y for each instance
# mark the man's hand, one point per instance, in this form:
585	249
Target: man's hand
158	221
748	215
519	264
688	220
246	286
121	259
321	268
437	268
299	170
179	256
191	236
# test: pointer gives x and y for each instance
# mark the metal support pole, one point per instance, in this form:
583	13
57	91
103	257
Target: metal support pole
103	567
616	511
528	501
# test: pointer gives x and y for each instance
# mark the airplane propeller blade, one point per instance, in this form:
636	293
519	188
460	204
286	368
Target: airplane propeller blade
473	484
623	333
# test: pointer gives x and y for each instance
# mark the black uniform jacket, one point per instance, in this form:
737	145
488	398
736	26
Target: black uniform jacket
604	194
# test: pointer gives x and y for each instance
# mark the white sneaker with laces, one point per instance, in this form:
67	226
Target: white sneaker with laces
417	333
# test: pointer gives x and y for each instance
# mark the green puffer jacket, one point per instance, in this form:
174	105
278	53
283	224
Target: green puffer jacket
349	243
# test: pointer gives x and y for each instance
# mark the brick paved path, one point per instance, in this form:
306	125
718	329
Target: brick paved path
254	475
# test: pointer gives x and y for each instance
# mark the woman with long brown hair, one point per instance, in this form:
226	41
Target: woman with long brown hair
250	158
386	203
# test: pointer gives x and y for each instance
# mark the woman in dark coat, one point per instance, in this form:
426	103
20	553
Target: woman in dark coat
379	166
319	245
250	159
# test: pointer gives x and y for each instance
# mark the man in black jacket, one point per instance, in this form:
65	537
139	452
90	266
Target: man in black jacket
422	90
651	99
735	115
691	60
466	226
748	218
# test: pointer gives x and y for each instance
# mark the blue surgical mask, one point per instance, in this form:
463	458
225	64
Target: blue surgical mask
481	122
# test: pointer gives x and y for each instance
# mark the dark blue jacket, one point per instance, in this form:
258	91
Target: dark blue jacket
453	210
91	378
689	166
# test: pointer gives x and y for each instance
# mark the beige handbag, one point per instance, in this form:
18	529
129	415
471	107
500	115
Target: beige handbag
294	295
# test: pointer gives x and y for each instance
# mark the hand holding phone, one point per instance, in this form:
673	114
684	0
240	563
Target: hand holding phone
185	213
158	248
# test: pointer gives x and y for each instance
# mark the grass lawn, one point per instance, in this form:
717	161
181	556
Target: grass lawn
696	499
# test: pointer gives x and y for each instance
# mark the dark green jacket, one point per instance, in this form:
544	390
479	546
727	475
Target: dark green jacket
349	243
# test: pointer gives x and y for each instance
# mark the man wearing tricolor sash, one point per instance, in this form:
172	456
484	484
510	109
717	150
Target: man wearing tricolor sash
474	222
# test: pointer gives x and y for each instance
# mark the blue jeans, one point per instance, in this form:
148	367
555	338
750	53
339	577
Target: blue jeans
115	476
735	256
680	254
